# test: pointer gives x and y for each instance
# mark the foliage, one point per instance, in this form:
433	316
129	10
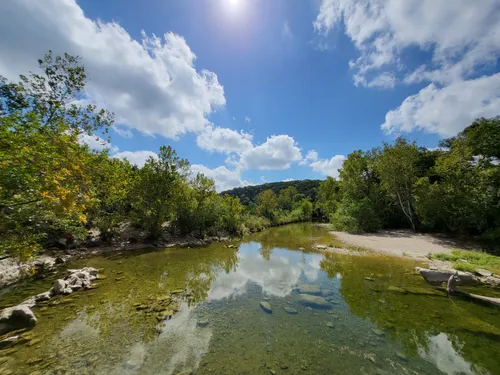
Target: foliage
468	260
455	189
267	204
248	194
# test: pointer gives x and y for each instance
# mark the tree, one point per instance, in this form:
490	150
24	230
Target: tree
397	166
306	209
328	197
267	204
287	198
157	190
46	184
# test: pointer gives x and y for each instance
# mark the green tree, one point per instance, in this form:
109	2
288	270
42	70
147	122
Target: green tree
397	166
267	204
287	198
157	190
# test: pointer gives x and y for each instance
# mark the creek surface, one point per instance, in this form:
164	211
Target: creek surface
263	307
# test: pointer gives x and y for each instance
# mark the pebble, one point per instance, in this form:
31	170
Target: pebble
402	356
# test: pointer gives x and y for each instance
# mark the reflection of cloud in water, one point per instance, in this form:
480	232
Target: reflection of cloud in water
79	329
180	345
440	351
312	267
276	276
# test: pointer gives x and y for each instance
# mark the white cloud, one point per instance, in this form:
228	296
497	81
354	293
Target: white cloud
96	143
138	158
328	167
289	179
224	178
151	85
446	110
462	36
224	140
122	131
286	32
278	152
248	119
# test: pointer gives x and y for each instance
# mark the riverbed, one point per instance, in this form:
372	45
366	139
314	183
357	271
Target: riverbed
270	304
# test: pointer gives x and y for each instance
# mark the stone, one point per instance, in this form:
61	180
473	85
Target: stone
381	301
301	249
142	307
290	310
329	325
321	247
273	372
369	278
265	298
326	292
397	290
59	260
15	317
313	301
439	277
401	356
60	287
309	308
482	272
424	291
313	289
378	332
202	323
266	307
43	296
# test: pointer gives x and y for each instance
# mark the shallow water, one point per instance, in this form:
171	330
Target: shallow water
361	327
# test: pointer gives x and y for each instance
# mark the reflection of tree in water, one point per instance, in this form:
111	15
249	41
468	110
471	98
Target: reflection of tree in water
413	318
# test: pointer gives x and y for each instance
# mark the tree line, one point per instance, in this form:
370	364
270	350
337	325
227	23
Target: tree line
454	188
53	185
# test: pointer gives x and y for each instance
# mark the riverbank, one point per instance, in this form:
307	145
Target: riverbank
13	271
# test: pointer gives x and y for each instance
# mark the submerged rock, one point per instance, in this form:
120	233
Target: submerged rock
290	310
379	332
397	290
202	323
313	289
266	307
326	292
16	317
329	325
401	356
313	301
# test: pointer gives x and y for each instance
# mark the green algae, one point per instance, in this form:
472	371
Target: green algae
199	311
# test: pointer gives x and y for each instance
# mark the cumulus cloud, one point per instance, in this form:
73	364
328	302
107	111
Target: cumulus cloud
224	140
446	110
462	36
328	167
278	152
247	119
289	179
151	85
96	143
138	158
224	178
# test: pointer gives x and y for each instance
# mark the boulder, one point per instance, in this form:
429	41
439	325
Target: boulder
313	289
439	277
16	317
45	296
321	247
290	310
266	307
61	287
313	301
326	292
482	272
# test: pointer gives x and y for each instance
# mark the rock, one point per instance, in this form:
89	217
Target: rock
378	332
59	260
313	289
290	310
283	366
60	287
321	247
329	325
273	372
301	249
266	307
381	301
439	277
397	290
491	280
43	296
15	317
231	246
424	291
9	341
202	323
368	278
313	301
482	272
401	356
326	292
265	298
141	307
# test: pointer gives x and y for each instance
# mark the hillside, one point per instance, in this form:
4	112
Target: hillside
248	194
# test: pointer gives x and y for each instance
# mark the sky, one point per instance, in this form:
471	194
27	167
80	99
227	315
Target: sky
254	91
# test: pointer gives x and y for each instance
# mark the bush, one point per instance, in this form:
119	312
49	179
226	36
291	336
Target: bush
356	217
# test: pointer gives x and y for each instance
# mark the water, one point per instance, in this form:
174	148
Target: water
220	327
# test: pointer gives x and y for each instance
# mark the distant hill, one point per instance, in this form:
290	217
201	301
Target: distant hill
248	194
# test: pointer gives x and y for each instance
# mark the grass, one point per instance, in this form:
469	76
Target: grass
473	260
338	244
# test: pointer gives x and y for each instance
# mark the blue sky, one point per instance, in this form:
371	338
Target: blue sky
256	90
